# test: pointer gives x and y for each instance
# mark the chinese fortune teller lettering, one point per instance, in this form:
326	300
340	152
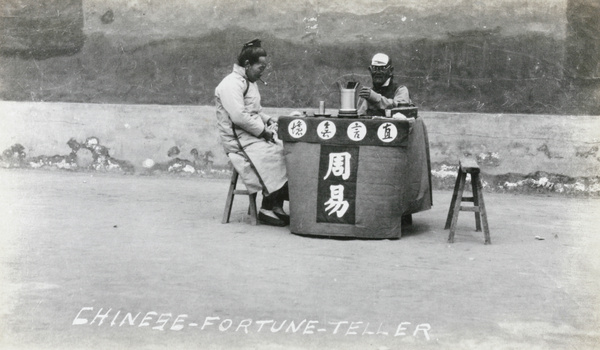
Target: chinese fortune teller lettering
336	197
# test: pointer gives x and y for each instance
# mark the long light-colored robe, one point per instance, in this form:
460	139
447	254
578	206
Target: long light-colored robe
238	100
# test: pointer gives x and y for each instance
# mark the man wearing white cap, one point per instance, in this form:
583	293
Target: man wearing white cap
385	94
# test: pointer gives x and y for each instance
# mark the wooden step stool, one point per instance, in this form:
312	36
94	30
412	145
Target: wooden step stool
468	166
229	202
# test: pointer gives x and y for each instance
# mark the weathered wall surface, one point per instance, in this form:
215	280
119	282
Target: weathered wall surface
540	151
518	143
502	56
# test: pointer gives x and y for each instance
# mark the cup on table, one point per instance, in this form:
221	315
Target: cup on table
321	107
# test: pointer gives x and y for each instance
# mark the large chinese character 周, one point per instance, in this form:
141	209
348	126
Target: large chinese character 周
339	165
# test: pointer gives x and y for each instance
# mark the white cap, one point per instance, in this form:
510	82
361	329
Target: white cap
380	59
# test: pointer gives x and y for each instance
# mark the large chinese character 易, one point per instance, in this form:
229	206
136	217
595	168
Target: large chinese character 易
339	165
336	203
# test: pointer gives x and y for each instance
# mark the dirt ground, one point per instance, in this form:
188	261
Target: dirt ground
101	261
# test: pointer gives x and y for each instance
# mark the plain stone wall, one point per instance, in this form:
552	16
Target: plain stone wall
502	143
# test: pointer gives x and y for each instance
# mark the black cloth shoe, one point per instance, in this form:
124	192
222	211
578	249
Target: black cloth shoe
266	219
282	215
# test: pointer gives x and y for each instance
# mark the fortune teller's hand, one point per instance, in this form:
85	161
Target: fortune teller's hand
365	93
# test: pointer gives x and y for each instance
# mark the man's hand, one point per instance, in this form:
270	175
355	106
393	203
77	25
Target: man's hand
268	135
273	126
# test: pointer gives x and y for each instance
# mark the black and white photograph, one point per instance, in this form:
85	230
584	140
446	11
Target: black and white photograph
308	174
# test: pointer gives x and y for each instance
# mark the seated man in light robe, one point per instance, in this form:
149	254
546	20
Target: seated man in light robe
249	137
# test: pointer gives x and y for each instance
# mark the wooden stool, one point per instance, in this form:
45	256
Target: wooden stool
468	166
229	202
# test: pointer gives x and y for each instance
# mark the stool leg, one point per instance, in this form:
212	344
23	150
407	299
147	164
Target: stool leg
457	202
453	201
475	189
229	201
486	229
252	209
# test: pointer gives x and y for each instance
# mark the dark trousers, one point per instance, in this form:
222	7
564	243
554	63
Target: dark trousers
275	199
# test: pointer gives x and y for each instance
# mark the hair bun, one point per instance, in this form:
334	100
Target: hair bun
253	43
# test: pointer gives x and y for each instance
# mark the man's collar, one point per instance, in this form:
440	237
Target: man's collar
239	70
386	84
